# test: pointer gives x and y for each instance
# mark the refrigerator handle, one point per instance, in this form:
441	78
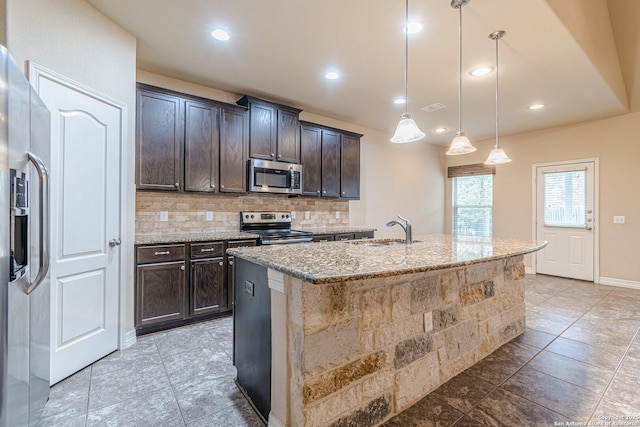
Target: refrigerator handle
44	221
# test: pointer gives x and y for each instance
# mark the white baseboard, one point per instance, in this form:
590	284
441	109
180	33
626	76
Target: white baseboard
529	270
129	339
621	283
274	422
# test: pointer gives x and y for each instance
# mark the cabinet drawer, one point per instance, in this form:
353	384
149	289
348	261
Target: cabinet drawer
161	253
323	238
344	236
207	250
363	235
241	243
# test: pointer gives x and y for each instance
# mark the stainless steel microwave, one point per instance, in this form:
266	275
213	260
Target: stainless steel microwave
274	177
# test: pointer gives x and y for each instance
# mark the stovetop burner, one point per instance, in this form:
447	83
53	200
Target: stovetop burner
273	227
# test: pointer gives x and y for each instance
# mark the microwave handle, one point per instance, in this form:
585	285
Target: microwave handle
291	178
43	176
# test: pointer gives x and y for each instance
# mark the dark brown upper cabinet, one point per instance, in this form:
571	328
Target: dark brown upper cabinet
159	133
187	143
273	130
330	163
311	156
233	151
201	146
350	167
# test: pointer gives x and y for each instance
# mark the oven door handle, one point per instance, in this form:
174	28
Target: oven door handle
283	241
43	214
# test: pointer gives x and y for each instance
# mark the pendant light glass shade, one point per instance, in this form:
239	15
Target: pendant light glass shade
460	144
407	131
497	156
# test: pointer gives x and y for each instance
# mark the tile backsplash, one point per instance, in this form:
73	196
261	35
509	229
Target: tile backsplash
187	212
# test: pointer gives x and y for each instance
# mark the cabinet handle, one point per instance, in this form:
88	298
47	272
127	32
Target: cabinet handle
324	191
222	186
207	250
182	267
162	253
279	155
230	262
213	186
221	263
318	191
344	192
273	154
177	185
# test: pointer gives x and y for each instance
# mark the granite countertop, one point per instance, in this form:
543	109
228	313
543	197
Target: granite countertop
149	239
336	229
339	261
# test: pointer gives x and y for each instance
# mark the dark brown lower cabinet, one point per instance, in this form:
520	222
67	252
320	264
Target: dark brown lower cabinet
208	286
160	293
344	236
323	237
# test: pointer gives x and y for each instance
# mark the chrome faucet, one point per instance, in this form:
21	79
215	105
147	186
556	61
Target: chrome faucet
406	226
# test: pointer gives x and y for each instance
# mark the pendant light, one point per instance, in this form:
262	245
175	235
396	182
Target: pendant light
497	155
407	130
460	144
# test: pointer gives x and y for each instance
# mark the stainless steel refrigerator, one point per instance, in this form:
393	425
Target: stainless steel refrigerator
24	248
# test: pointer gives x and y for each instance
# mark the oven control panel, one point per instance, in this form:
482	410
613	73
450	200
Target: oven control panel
264	217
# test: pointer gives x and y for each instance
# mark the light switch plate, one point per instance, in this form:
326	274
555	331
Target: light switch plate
307	215
619	219
209	216
337	214
164	216
293	214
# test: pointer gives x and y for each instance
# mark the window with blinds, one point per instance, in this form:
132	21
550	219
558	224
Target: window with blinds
565	199
473	205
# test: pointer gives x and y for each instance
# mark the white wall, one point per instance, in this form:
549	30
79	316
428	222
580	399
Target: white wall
70	37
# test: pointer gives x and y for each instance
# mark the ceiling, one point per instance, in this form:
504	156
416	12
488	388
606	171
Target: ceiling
280	50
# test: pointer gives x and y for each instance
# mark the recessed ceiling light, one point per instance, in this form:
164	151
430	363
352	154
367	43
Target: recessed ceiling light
332	75
440	130
481	71
220	34
399	101
536	106
413	27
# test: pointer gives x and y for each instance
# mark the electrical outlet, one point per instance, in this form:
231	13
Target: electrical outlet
293	214
428	321
164	216
307	215
248	287
209	215
619	219
337	214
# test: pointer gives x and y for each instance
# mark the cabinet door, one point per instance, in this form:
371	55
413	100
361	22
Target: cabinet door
262	131
158	141
311	156
233	164
159	293
288	137
330	164
201	147
350	168
208	292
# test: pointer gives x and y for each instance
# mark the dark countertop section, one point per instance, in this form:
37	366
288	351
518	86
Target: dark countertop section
339	261
159	239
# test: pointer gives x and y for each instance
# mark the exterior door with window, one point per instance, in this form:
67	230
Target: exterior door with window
564	218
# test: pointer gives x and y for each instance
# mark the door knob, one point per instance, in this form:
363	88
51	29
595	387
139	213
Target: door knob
589	228
114	242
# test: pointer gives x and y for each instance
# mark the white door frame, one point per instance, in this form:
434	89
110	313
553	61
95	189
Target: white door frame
596	210
35	71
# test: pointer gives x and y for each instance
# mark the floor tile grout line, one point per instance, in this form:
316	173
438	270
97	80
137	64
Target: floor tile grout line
173	392
620	363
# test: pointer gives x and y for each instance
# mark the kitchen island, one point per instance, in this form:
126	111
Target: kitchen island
362	330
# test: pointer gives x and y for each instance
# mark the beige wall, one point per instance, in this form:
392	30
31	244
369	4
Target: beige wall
624	18
73	39
615	141
403	179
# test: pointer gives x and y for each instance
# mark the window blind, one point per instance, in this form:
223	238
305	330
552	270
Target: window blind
565	199
473	205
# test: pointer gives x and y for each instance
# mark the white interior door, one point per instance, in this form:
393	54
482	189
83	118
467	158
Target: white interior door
85	217
565	219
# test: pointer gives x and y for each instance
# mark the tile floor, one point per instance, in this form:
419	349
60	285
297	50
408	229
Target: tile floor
578	360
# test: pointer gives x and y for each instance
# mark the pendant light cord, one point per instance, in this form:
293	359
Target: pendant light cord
497	116
460	74
406	56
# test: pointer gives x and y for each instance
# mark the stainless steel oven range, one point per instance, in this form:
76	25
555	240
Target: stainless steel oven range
274	228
